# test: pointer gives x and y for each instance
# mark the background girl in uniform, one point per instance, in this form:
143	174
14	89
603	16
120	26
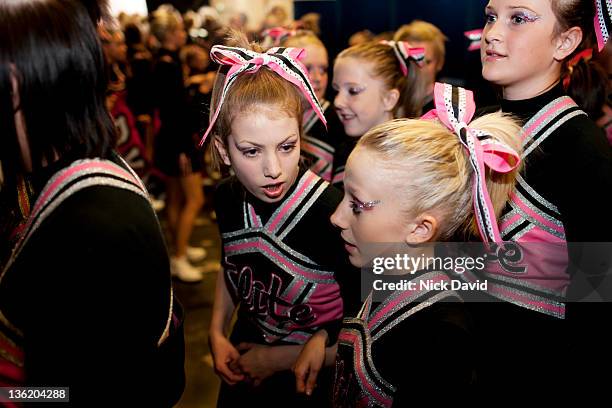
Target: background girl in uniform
319	142
375	82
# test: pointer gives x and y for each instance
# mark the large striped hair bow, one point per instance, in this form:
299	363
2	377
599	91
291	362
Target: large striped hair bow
603	22
405	53
283	61
455	108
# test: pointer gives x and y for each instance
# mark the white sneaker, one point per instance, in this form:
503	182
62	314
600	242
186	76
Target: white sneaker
195	254
184	271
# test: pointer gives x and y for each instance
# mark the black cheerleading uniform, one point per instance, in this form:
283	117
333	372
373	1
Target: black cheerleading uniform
319	144
86	297
411	343
282	263
176	134
557	201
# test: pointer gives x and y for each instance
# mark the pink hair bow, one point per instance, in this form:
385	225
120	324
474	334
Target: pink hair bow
278	34
474	36
404	53
602	22
455	108
283	61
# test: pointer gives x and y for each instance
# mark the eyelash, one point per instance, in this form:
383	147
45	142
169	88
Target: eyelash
358	206
525	18
286	148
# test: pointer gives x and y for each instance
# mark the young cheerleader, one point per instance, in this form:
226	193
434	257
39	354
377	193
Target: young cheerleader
319	142
280	253
375	82
416	182
176	154
423	34
525	49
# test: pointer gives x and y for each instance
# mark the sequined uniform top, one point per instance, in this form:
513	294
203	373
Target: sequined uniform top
282	261
394	350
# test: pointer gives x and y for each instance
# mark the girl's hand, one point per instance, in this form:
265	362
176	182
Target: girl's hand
309	363
257	361
224	356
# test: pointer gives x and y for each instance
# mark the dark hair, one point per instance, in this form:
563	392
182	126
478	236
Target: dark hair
589	87
52	51
576	13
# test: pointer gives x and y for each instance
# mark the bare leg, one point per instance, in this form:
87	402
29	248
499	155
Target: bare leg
191	186
174	203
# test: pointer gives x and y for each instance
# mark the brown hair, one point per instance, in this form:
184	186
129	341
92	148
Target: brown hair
434	171
385	65
577	13
253	92
423	31
302	38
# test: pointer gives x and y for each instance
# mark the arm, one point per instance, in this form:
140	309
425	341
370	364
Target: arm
224	353
313	356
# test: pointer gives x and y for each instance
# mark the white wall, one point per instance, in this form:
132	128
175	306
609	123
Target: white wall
129	7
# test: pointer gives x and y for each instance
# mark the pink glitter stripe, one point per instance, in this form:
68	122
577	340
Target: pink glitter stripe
70	172
510	221
523	300
535	215
358	363
386	311
266	248
338	177
553	110
317	151
296	196
254	218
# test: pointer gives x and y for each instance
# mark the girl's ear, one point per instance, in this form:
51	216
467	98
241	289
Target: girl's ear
221	148
423	229
567	42
390	99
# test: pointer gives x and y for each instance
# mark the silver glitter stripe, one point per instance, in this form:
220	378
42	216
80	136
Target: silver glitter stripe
434	299
408	299
250	210
325	276
274	239
537	196
522	283
307	187
366	358
536	222
541	113
506	217
522	232
303	210
530	297
58	199
510	227
293	337
293	285
94	167
364	311
245	213
554	127
535	209
275	331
